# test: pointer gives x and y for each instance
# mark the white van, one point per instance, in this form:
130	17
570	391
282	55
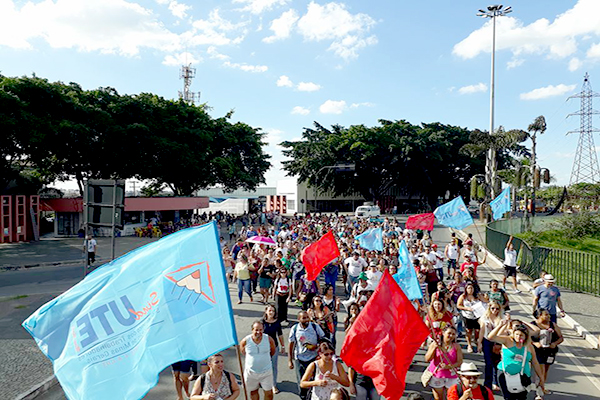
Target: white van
367	211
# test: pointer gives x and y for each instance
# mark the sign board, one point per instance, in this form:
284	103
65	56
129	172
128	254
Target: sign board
102	197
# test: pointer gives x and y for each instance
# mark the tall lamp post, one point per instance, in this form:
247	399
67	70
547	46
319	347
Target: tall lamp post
490	160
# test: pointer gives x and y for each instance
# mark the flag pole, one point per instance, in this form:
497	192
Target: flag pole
239	357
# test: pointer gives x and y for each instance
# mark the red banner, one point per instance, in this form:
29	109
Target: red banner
421	221
319	254
385	338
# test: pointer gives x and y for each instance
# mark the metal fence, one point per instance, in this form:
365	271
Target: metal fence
575	270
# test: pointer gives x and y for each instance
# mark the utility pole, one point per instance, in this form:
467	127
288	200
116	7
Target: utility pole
490	159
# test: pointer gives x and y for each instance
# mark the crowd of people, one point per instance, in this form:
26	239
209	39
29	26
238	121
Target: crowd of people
456	304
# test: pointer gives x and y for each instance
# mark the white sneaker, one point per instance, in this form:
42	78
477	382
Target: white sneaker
517	291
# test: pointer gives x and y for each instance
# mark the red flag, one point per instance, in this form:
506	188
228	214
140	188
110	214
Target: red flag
421	221
384	339
319	254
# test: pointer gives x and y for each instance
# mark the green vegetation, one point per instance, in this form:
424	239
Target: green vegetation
22	296
573	232
53	130
20	306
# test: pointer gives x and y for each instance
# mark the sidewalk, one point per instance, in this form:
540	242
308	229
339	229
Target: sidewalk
583	310
62	251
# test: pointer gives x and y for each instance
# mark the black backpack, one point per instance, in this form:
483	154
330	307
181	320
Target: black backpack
484	392
229	378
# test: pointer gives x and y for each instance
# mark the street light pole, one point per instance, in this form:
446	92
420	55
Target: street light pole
490	160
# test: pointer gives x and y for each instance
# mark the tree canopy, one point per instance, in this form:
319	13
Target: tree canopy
52	130
425	161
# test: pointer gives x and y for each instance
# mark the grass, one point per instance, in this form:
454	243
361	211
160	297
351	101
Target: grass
21	306
557	239
22	296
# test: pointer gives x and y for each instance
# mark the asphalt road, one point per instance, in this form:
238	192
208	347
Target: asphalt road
574	376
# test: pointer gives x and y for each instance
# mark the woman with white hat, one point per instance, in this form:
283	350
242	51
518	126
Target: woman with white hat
468	388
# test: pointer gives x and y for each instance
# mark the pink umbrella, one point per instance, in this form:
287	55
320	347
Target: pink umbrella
261	240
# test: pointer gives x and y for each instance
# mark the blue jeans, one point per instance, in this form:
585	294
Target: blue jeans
244	286
331	279
351	281
366	394
491	362
274	362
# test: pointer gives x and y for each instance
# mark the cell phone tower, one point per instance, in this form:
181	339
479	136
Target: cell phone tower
187	73
585	166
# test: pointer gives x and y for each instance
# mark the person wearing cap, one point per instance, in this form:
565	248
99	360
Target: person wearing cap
547	297
361	286
468	388
373	275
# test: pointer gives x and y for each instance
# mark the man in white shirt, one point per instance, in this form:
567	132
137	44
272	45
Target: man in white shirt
510	264
452	253
90	245
354	266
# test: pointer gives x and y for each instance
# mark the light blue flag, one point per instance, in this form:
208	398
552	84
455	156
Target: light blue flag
454	214
403	254
110	335
406	277
501	204
371	239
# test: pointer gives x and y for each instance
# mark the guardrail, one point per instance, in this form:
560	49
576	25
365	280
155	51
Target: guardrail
576	270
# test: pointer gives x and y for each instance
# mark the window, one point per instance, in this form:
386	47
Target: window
291	204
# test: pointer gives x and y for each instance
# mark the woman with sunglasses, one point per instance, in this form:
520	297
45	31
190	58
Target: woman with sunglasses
491	350
321	315
325	374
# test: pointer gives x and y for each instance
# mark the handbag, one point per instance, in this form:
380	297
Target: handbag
513	382
427	375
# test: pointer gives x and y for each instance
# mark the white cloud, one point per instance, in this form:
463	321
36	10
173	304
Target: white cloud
574	64
365	104
308	87
273	137
556	39
332	21
548	91
184	58
216	31
284	81
300	110
480	87
282	26
260	6
246	67
514	63
333	107
114	26
594	51
214	53
178	10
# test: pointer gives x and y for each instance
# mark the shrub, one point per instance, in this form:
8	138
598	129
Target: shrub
580	225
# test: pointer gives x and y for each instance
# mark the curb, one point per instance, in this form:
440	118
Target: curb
11	267
38	389
577	327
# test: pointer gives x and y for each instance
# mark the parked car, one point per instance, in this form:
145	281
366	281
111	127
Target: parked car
367	211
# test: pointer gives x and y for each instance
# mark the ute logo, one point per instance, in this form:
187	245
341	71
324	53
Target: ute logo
189	291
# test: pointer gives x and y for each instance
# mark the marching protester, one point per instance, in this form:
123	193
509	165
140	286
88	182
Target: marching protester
469	304
468	388
216	383
181	376
518	360
546	341
303	346
547	297
272	327
259	350
491	350
324	375
444	356
242	274
510	264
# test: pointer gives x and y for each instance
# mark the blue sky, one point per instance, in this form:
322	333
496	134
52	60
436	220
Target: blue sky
282	64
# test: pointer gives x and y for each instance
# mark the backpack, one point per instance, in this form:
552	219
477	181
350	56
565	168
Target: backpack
229	378
312	325
484	392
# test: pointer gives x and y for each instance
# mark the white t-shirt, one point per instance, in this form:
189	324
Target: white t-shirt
452	250
355	267
510	257
374	278
91	245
